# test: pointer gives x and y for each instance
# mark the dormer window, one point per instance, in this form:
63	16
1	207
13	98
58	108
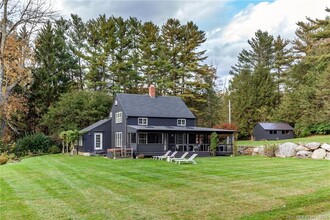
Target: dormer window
181	122
119	117
143	121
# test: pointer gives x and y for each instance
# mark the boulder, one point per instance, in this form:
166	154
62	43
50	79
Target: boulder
326	146
301	148
304	154
313	145
328	156
286	150
319	153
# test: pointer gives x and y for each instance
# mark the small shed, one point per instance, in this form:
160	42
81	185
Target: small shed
272	131
96	137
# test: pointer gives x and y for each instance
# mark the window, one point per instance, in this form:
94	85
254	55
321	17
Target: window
81	141
119	117
133	138
181	122
116	103
98	143
110	115
118	139
142	138
155	138
142	121
273	132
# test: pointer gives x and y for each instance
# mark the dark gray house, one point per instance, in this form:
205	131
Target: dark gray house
96	137
151	125
272	131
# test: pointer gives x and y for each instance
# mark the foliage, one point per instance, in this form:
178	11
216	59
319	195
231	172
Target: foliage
3	159
76	110
69	138
37	143
214	143
229	126
270	150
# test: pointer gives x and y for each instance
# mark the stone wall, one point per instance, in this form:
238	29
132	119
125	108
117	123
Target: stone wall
312	150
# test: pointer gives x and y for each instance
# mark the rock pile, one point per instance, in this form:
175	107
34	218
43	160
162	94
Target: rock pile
312	150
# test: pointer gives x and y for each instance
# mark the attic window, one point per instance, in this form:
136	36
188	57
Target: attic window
110	115
142	121
181	122
119	117
116	103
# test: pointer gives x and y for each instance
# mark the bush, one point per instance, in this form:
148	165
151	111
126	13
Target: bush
37	143
270	150
3	159
54	149
302	130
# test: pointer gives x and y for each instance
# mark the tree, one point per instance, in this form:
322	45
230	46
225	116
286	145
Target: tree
76	110
214	143
253	88
306	102
15	14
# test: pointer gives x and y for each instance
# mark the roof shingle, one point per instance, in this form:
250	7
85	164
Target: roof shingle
160	106
275	126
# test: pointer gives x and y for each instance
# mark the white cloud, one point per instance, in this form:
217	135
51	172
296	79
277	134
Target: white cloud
278	18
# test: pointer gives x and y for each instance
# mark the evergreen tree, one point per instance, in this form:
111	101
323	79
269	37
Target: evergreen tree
253	88
53	71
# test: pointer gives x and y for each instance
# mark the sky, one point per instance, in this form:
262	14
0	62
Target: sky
228	24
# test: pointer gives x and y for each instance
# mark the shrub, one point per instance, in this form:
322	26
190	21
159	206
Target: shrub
37	143
54	149
270	150
214	143
3	159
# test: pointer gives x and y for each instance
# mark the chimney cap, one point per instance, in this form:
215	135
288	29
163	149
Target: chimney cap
152	91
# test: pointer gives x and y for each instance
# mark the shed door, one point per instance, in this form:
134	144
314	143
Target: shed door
98	141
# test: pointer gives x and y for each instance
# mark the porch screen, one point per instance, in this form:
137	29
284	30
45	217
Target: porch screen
155	138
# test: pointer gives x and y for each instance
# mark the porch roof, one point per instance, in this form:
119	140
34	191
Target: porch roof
133	128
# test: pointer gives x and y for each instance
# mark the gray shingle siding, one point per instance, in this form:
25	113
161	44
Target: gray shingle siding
102	126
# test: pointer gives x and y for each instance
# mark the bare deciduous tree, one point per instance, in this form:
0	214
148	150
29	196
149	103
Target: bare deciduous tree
16	14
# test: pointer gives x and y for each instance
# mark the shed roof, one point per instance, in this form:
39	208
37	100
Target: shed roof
275	126
96	124
160	106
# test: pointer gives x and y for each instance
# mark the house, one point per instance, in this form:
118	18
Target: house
96	137
272	131
151	125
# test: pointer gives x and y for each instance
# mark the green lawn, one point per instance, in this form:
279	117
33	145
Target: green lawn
64	187
317	138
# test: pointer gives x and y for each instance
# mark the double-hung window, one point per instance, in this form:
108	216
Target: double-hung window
119	139
119	117
142	121
181	122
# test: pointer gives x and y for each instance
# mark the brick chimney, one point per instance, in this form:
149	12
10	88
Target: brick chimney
152	91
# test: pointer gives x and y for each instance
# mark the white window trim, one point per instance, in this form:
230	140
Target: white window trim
119	139
101	141
119	117
144	121
181	122
138	137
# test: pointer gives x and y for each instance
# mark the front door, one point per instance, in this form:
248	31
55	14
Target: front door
98	141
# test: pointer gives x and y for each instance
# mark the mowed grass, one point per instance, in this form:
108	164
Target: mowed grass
316	138
245	187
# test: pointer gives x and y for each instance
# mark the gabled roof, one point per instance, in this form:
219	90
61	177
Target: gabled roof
275	126
96	124
160	106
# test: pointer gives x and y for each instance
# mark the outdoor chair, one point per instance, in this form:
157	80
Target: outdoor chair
189	160
178	158
165	155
